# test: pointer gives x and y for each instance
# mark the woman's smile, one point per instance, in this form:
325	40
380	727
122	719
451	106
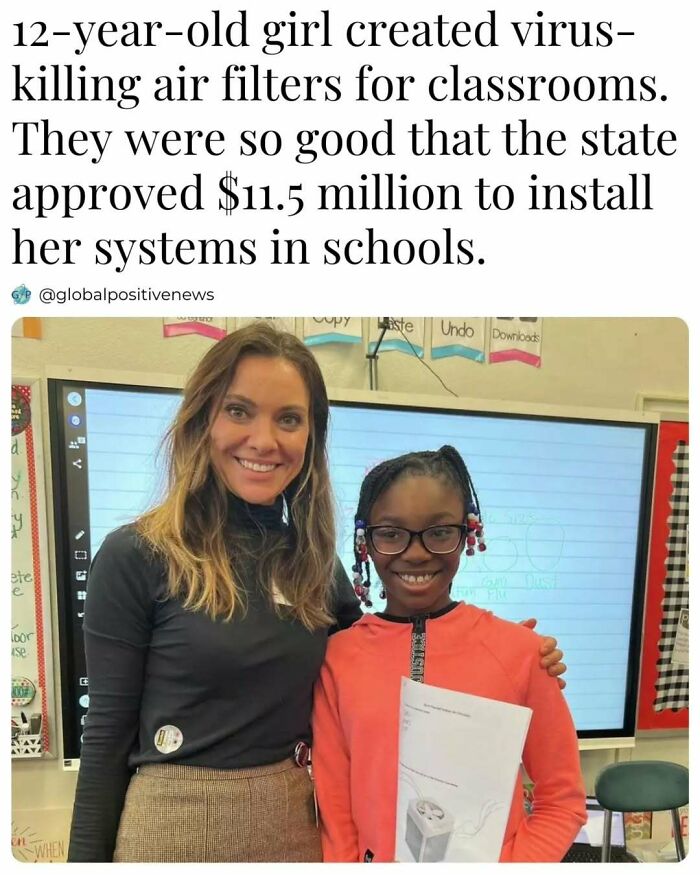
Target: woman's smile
257	467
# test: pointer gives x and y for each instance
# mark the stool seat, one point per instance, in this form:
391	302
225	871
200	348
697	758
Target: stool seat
643	785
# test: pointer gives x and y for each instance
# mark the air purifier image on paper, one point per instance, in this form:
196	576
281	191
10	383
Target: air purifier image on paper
428	830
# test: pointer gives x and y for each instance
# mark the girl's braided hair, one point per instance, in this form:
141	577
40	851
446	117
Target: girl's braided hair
444	463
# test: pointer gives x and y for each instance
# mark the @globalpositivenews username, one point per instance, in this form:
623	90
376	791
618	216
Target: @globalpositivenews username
61	296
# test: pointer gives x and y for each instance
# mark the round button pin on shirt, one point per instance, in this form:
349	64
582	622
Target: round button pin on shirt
168	739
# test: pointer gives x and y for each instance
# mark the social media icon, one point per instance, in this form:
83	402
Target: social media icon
75	399
78	463
21	294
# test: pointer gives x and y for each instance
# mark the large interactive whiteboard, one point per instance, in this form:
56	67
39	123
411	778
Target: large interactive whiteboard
565	496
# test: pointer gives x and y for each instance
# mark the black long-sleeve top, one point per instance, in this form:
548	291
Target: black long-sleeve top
171	685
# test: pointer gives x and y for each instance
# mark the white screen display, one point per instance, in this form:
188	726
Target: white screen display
560	503
592	832
126	470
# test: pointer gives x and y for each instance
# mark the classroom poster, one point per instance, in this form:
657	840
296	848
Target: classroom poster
205	326
332	329
681	644
30	625
405	334
40	835
30	327
281	323
516	339
459	336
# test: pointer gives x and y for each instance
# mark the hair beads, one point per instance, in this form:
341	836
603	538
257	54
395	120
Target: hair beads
361	558
475	532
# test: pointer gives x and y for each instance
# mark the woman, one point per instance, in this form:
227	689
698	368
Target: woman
206	624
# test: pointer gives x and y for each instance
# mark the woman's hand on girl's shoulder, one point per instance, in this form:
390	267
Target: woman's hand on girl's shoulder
550	655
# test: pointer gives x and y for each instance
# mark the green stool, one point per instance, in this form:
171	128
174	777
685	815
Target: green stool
649	785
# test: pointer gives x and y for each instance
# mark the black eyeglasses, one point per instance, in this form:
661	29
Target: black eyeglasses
392	540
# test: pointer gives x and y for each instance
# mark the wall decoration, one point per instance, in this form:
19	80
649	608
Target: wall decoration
29	326
459	336
206	326
672	673
332	329
664	689
516	339
406	334
281	323
30	624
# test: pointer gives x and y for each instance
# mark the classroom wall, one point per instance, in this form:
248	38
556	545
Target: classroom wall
592	362
585	361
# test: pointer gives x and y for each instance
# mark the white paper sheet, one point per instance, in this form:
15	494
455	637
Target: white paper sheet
681	646
459	757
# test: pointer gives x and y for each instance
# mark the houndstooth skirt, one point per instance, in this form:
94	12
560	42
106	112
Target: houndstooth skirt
189	814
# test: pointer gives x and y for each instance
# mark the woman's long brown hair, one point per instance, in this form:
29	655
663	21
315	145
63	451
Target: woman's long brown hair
189	528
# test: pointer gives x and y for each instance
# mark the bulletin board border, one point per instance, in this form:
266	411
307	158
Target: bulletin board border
670	433
40	565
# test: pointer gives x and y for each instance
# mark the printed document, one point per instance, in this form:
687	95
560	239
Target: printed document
459	758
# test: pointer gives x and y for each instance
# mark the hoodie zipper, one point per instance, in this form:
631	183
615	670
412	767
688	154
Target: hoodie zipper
418	640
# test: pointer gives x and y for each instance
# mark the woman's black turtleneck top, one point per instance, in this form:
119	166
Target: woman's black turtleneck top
171	685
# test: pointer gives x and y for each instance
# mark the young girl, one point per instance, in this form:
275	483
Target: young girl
415	515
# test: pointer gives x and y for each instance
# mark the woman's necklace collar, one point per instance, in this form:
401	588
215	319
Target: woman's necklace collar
251	517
